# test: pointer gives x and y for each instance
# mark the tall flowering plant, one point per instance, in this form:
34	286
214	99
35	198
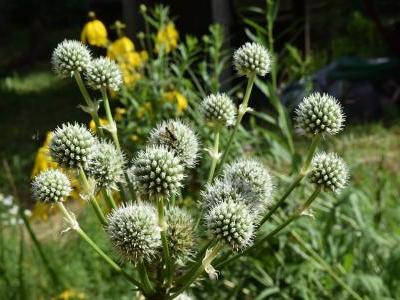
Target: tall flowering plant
160	244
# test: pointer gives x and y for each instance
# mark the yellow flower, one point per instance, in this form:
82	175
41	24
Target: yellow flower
43	160
143	109
119	113
179	99
167	38
134	138
120	47
92	124
94	32
71	295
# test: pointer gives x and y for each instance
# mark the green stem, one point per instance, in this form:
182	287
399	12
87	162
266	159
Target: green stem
278	229
163	231
242	110
75	226
296	181
198	269
148	287
89	102
92	198
109	198
214	157
111	123
327	267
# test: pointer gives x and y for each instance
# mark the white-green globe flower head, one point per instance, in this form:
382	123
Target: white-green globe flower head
319	114
134	232
232	223
106	165
72	145
252	58
180	233
51	186
104	73
220	191
329	172
70	56
218	110
157	172
252	180
179	138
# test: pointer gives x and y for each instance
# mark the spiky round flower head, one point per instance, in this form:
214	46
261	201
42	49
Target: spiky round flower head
179	138
134	232
329	171
51	186
319	114
72	145
106	165
157	172
180	233
220	191
70	56
252	58
232	223
104	73
252	180
218	109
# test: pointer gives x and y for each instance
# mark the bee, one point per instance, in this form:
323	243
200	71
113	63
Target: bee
170	132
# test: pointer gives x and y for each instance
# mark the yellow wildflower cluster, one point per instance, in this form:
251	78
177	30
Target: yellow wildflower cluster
94	32
167	38
70	295
177	98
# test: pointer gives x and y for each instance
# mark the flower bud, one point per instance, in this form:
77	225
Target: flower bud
219	110
134	232
70	56
104	73
157	172
252	58
232	223
51	186
329	171
178	138
319	114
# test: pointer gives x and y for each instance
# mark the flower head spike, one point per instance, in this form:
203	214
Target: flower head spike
252	58
71	145
319	114
180	233
157	172
106	165
329	171
179	138
252	180
70	56
218	109
104	73
232	223
51	186
220	191
134	233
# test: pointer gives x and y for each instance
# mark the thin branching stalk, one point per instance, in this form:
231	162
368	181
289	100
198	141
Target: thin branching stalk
111	123
163	232
92	199
107	195
147	285
242	111
75	226
278	229
214	156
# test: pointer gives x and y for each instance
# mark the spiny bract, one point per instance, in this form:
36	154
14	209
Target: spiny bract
252	180
252	58
104	73
72	145
134	232
319	114
157	172
232	223
106	165
329	171
179	138
70	56
51	186
219	110
179	233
